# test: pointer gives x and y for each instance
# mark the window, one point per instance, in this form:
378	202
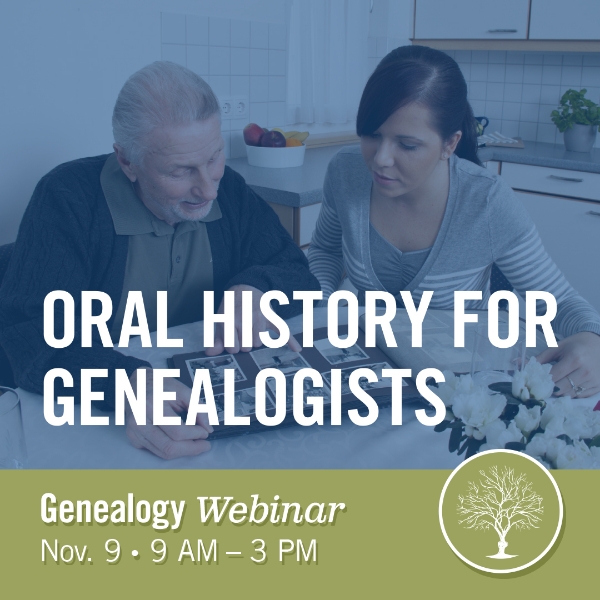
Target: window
327	61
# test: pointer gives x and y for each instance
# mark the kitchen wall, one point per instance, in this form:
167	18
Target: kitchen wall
390	26
236	57
64	63
517	91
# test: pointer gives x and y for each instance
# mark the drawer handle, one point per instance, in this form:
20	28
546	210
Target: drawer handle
594	213
572	179
502	31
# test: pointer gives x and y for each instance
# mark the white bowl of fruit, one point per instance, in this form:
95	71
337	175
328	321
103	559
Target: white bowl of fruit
274	148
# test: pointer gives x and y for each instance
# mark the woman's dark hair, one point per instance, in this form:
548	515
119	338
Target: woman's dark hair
428	77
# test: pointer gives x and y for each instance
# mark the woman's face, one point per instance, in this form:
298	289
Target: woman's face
404	152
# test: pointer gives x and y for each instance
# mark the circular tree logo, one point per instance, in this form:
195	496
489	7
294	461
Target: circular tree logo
501	511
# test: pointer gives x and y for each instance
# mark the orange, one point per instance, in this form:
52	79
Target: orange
292	142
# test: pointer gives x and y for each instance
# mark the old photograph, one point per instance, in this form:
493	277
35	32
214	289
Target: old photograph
309	390
284	359
216	366
336	356
364	384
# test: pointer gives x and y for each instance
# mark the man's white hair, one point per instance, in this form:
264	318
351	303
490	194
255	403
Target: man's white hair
160	94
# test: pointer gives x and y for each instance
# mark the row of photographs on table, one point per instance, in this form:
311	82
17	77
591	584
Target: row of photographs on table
284	359
288	362
245	399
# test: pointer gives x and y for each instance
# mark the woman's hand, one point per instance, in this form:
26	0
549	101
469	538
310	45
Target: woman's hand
578	359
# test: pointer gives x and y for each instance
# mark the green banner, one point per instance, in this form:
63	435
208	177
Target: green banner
282	534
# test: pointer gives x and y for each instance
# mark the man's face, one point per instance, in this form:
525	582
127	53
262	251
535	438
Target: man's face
179	177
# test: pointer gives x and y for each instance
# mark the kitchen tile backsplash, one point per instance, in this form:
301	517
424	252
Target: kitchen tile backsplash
527	86
237	58
517	91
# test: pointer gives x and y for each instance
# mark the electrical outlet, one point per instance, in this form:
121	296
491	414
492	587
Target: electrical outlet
227	105
240	106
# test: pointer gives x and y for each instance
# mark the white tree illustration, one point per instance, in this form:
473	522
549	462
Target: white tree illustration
500	500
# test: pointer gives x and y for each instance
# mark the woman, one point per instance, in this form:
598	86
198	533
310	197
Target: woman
413	209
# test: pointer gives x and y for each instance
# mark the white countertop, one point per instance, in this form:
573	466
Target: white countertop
378	446
302	186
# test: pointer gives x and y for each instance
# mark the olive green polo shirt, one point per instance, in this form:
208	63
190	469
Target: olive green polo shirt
160	257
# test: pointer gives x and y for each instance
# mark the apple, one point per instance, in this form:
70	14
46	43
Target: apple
272	139
252	134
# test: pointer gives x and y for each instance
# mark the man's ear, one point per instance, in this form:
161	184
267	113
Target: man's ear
450	145
125	164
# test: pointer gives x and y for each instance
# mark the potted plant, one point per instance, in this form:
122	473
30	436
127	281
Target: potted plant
579	119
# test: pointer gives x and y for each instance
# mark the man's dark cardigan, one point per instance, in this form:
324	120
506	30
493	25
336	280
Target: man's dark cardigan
67	241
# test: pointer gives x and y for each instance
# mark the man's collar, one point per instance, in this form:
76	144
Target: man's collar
129	214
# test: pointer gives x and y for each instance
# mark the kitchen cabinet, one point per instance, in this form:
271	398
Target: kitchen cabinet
558	182
299	222
493	166
517	25
471	19
555	20
308	222
570	232
568	220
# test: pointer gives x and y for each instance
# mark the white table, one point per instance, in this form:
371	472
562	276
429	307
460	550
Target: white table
378	446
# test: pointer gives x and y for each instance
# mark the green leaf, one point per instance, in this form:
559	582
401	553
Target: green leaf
565	438
534	432
576	109
464	446
595	442
509	413
518	446
474	446
512	400
504	387
441	426
455	439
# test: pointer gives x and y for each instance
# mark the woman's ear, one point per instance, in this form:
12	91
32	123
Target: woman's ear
450	145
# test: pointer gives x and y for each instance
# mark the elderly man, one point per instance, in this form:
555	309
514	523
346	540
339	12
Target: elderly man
162	212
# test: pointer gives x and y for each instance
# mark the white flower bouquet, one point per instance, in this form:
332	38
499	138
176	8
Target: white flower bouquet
521	415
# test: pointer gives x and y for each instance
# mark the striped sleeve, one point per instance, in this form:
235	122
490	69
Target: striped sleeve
325	255
528	267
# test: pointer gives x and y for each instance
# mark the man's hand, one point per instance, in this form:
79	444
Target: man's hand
167	441
259	323
577	364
